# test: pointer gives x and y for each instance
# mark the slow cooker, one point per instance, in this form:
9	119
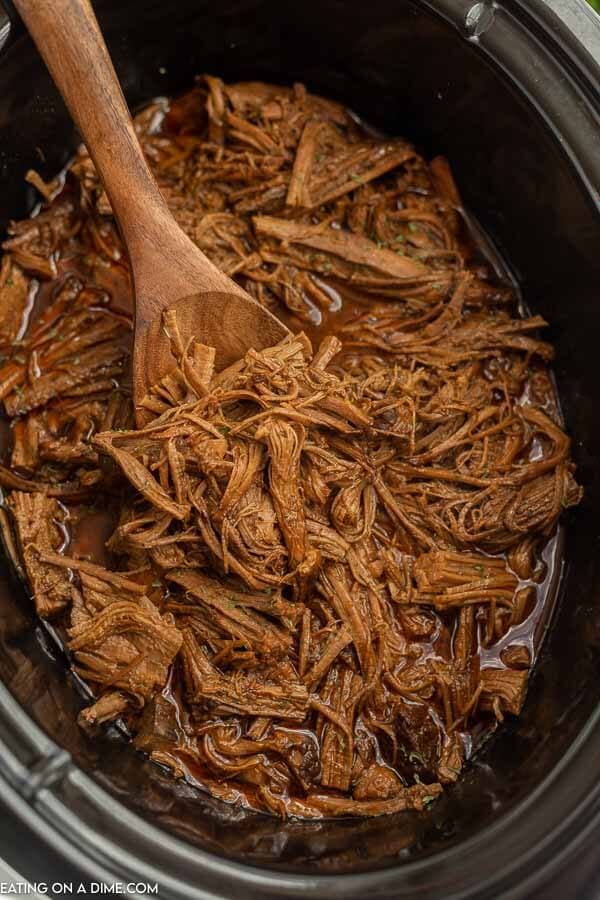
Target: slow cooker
509	92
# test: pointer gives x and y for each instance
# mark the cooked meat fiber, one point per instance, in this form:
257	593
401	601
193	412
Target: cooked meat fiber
306	584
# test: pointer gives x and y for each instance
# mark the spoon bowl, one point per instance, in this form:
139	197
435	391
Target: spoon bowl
229	323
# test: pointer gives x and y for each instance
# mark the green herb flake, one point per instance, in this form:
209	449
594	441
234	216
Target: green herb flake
427	801
9	282
157	583
412	226
357	178
399	238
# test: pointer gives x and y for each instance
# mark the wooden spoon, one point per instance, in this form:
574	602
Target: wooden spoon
168	269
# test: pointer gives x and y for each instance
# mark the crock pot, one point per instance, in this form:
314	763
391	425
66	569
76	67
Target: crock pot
509	92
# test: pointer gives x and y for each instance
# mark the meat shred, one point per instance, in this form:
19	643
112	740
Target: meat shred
304	584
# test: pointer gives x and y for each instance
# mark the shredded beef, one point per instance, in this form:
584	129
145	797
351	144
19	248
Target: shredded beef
304	583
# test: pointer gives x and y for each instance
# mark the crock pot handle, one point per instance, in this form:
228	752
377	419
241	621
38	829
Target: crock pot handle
68	38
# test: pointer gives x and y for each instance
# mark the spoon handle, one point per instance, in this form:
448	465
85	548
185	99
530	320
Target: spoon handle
68	38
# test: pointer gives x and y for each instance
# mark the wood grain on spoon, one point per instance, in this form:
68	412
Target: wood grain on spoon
168	269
